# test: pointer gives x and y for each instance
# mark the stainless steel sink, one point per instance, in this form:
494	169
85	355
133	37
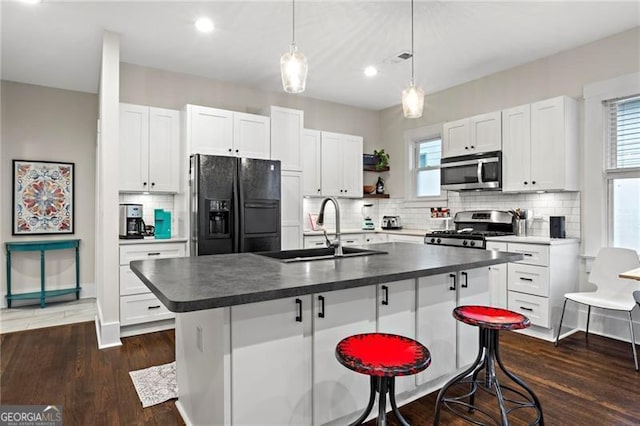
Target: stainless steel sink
306	255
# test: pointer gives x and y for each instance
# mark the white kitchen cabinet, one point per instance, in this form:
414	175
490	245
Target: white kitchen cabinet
286	137
374	238
341	165
271	343
318	241
149	148
397	315
339	391
137	304
291	210
436	327
473	289
311	162
540	146
473	135
401	238
497	278
213	131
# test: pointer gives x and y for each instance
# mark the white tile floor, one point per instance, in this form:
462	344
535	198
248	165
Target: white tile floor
55	313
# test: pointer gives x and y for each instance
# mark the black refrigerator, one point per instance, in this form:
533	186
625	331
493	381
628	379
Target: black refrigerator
235	205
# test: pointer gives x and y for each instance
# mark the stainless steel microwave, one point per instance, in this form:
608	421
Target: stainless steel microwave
474	172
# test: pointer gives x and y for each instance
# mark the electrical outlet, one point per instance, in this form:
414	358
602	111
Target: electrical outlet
199	338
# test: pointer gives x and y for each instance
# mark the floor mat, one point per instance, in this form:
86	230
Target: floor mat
155	384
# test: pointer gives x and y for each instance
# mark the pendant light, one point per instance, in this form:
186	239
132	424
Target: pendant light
293	64
412	96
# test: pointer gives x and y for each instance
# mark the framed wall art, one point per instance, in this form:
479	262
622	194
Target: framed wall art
42	197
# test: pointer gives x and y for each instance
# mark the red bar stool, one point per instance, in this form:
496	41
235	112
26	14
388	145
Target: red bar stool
490	321
382	357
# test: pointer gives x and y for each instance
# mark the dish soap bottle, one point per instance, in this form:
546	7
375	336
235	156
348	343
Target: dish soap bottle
380	186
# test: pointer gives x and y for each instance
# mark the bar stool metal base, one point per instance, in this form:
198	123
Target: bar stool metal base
509	398
382	386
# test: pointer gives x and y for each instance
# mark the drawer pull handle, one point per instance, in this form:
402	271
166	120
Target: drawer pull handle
299	313
453	286
526	309
385	299
526	279
154	254
528	254
466	277
154	307
321	312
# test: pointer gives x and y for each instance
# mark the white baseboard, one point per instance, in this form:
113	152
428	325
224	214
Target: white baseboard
182	413
606	323
107	334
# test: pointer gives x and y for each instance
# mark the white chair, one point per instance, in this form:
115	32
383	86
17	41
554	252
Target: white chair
613	292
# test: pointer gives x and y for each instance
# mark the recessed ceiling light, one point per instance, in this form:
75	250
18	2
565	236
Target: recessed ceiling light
204	25
370	71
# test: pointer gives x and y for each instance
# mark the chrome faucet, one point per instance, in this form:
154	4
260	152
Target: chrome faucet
337	244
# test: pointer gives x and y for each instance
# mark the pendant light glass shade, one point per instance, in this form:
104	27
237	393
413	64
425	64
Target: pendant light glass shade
294	67
412	96
412	101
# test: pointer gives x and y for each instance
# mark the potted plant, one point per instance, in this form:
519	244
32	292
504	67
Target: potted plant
383	159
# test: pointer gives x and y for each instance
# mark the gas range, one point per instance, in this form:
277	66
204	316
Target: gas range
473	228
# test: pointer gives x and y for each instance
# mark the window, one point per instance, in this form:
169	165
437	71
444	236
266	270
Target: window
623	171
427	167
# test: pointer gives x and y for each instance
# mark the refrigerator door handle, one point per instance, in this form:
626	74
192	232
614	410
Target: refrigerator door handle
237	213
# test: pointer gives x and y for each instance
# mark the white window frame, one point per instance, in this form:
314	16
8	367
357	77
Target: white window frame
411	137
611	174
596	231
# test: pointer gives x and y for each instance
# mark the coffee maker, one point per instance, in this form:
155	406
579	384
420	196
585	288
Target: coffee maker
131	225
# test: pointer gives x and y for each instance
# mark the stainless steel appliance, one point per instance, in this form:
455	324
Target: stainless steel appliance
131	225
235	205
391	222
472	229
472	172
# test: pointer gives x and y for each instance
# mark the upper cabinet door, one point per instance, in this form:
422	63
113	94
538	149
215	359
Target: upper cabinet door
133	148
516	148
164	150
331	164
251	136
286	137
548	144
311	163
352	166
486	134
457	138
210	131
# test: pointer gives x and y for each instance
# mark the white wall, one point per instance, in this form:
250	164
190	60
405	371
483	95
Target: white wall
42	123
166	89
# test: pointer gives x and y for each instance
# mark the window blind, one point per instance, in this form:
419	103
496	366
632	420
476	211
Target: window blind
623	149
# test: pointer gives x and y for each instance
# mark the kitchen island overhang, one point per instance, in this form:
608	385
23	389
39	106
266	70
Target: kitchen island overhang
206	282
254	346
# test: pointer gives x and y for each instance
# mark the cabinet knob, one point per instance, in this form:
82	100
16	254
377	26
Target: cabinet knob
144	183
466	147
525	182
318	189
153	184
237	151
230	150
346	190
472	147
533	182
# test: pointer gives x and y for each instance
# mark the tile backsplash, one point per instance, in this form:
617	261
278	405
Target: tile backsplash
150	202
416	216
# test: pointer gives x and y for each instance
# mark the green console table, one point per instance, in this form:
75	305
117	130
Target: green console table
42	246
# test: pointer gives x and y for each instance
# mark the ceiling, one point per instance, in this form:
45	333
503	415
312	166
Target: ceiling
58	44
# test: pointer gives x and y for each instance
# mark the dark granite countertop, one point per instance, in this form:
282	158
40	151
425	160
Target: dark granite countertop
195	283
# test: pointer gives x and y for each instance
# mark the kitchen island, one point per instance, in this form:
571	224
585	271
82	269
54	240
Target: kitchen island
255	337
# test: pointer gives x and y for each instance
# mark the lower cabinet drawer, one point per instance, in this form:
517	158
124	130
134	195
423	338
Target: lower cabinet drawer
139	308
130	283
528	279
536	308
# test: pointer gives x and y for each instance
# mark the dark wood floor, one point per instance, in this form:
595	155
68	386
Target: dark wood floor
577	383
